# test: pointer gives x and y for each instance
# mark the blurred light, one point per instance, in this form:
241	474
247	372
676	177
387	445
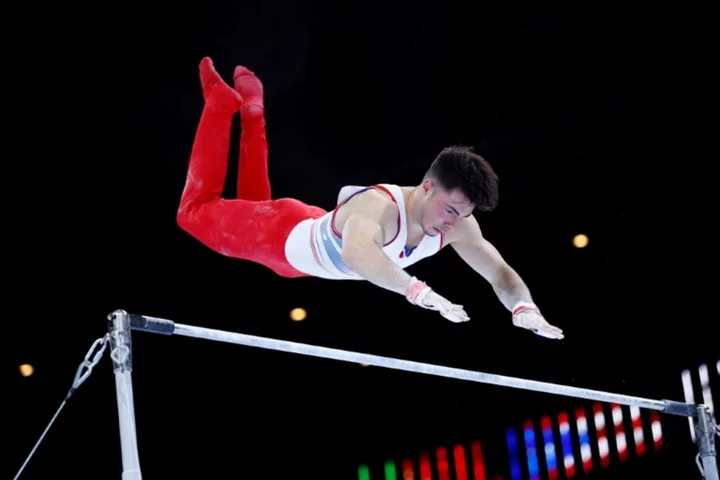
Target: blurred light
656	429
514	454
441	463
390	470
531	450
425	466
580	240
600	429
567	445
298	314
363	472
706	393
26	369
689	398
477	459
620	439
461	472
638	434
549	444
365	364
408	469
584	439
605	427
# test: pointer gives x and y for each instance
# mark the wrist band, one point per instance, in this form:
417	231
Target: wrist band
520	306
415	287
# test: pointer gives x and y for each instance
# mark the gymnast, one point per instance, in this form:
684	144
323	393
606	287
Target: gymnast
373	233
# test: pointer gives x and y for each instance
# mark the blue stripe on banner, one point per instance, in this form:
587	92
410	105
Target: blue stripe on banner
513	452
566	441
548	440
531	449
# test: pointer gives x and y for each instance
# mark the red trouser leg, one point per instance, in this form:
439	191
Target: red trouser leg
239	228
253	179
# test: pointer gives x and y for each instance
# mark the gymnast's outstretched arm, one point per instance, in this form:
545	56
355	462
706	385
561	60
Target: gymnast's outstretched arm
367	223
482	256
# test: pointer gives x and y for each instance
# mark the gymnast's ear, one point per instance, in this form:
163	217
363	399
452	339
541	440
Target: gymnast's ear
427	186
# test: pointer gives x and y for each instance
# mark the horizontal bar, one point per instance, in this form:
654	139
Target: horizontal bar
168	327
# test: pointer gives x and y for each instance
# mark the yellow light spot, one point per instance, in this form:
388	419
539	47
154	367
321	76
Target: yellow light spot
298	314
365	364
26	369
580	240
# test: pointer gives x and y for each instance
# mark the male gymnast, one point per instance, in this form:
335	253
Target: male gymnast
372	234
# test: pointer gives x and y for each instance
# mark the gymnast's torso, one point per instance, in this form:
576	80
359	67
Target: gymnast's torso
314	245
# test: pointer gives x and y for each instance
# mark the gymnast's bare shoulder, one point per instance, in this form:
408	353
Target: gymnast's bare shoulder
346	191
372	210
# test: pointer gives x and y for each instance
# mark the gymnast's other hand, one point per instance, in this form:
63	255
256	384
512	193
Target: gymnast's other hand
528	316
420	294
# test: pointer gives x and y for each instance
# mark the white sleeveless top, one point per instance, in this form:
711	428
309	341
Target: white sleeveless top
314	245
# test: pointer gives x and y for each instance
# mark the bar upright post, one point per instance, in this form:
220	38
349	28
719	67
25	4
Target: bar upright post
705	431
121	355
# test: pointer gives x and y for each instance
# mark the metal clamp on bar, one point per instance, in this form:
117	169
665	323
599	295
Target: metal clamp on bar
152	324
119	332
678	408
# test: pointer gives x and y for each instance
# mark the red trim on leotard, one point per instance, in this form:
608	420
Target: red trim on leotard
332	218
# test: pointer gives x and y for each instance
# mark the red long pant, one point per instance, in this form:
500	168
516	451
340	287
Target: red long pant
252	227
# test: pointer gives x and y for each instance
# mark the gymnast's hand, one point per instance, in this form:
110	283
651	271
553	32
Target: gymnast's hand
418	293
528	316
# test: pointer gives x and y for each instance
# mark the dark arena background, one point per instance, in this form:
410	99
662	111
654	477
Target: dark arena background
593	116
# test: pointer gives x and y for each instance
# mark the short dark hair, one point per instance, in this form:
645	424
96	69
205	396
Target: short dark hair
461	168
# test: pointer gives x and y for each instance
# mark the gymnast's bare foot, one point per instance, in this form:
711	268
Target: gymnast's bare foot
218	94
248	85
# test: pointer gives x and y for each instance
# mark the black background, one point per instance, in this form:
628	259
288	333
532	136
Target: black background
595	116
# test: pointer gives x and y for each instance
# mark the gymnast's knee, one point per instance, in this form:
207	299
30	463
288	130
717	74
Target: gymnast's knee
184	219
189	220
181	221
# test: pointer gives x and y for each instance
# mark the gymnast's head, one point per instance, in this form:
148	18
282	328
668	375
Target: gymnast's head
458	182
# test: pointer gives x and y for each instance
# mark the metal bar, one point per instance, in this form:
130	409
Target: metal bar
168	327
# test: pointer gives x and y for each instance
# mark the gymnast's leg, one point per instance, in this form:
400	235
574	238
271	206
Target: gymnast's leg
253	179
208	160
239	228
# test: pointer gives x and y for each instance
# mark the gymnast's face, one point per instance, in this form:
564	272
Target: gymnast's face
442	209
